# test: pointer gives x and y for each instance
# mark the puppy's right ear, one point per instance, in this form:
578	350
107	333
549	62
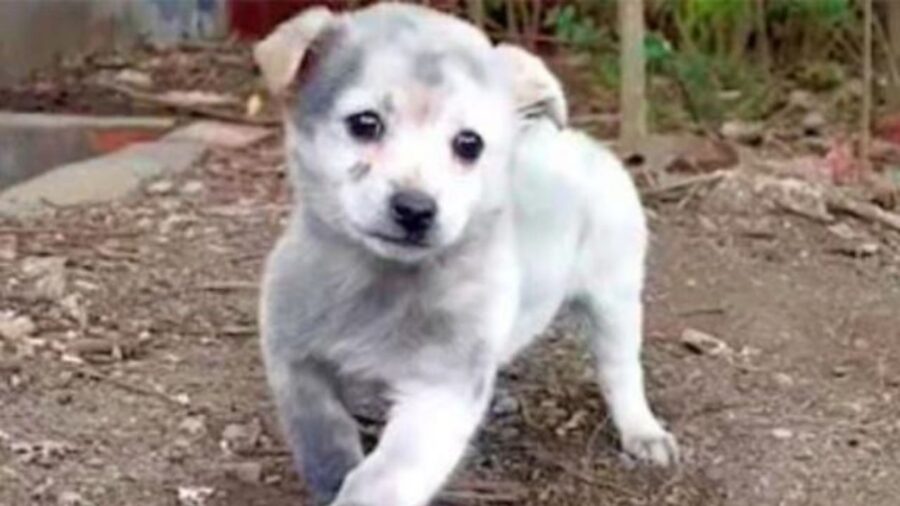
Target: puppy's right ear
280	55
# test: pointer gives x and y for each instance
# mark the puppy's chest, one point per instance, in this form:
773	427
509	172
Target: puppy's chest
400	325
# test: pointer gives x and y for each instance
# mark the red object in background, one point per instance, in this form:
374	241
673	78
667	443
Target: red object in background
888	128
254	19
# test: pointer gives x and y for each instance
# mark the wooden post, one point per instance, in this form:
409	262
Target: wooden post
892	12
866	116
632	92
476	12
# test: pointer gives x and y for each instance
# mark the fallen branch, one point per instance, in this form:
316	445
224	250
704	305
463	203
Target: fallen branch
195	110
682	184
839	202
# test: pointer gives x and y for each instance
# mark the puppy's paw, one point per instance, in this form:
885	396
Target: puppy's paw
656	446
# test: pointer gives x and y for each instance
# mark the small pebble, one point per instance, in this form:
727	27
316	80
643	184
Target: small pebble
782	433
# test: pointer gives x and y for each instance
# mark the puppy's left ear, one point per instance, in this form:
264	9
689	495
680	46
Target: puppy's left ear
281	53
537	91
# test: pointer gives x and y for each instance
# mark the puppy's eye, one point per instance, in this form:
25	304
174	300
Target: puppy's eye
365	126
468	145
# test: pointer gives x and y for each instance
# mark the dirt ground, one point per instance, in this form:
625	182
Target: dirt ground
130	370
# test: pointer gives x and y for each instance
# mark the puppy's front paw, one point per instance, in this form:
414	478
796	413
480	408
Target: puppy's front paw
655	446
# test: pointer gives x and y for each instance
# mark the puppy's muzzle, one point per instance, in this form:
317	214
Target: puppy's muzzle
414	212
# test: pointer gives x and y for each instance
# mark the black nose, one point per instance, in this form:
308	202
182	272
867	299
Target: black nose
414	211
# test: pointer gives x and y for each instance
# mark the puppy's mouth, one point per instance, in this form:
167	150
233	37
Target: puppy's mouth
411	241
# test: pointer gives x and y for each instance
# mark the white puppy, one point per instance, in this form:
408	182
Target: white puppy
442	219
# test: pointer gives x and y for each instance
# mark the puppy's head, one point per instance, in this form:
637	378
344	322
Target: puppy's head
399	123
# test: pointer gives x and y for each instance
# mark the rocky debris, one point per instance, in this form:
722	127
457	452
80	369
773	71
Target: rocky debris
47	276
194	426
44	453
161	187
239	438
192	188
734	194
132	77
194	496
742	194
249	472
71	498
16	327
504	404
9	247
799	197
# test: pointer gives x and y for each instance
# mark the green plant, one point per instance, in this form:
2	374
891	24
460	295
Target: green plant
573	28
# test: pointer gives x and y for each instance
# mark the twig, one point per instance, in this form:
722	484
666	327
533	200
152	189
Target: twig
702	311
683	184
469	496
581	475
229	286
477	491
197	110
98	375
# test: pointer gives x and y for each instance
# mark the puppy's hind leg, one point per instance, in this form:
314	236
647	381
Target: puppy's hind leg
611	312
323	436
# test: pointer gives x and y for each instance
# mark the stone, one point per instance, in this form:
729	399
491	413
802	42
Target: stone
161	187
782	433
134	78
703	343
813	123
194	426
504	404
802	99
192	188
16	328
240	438
743	132
194	496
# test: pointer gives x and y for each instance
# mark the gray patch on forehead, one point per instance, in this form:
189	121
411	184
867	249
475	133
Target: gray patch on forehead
336	72
430	66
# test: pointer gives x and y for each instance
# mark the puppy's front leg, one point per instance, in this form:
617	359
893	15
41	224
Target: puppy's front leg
425	437
615	312
323	436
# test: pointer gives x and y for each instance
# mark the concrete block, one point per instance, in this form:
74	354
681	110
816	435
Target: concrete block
101	179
